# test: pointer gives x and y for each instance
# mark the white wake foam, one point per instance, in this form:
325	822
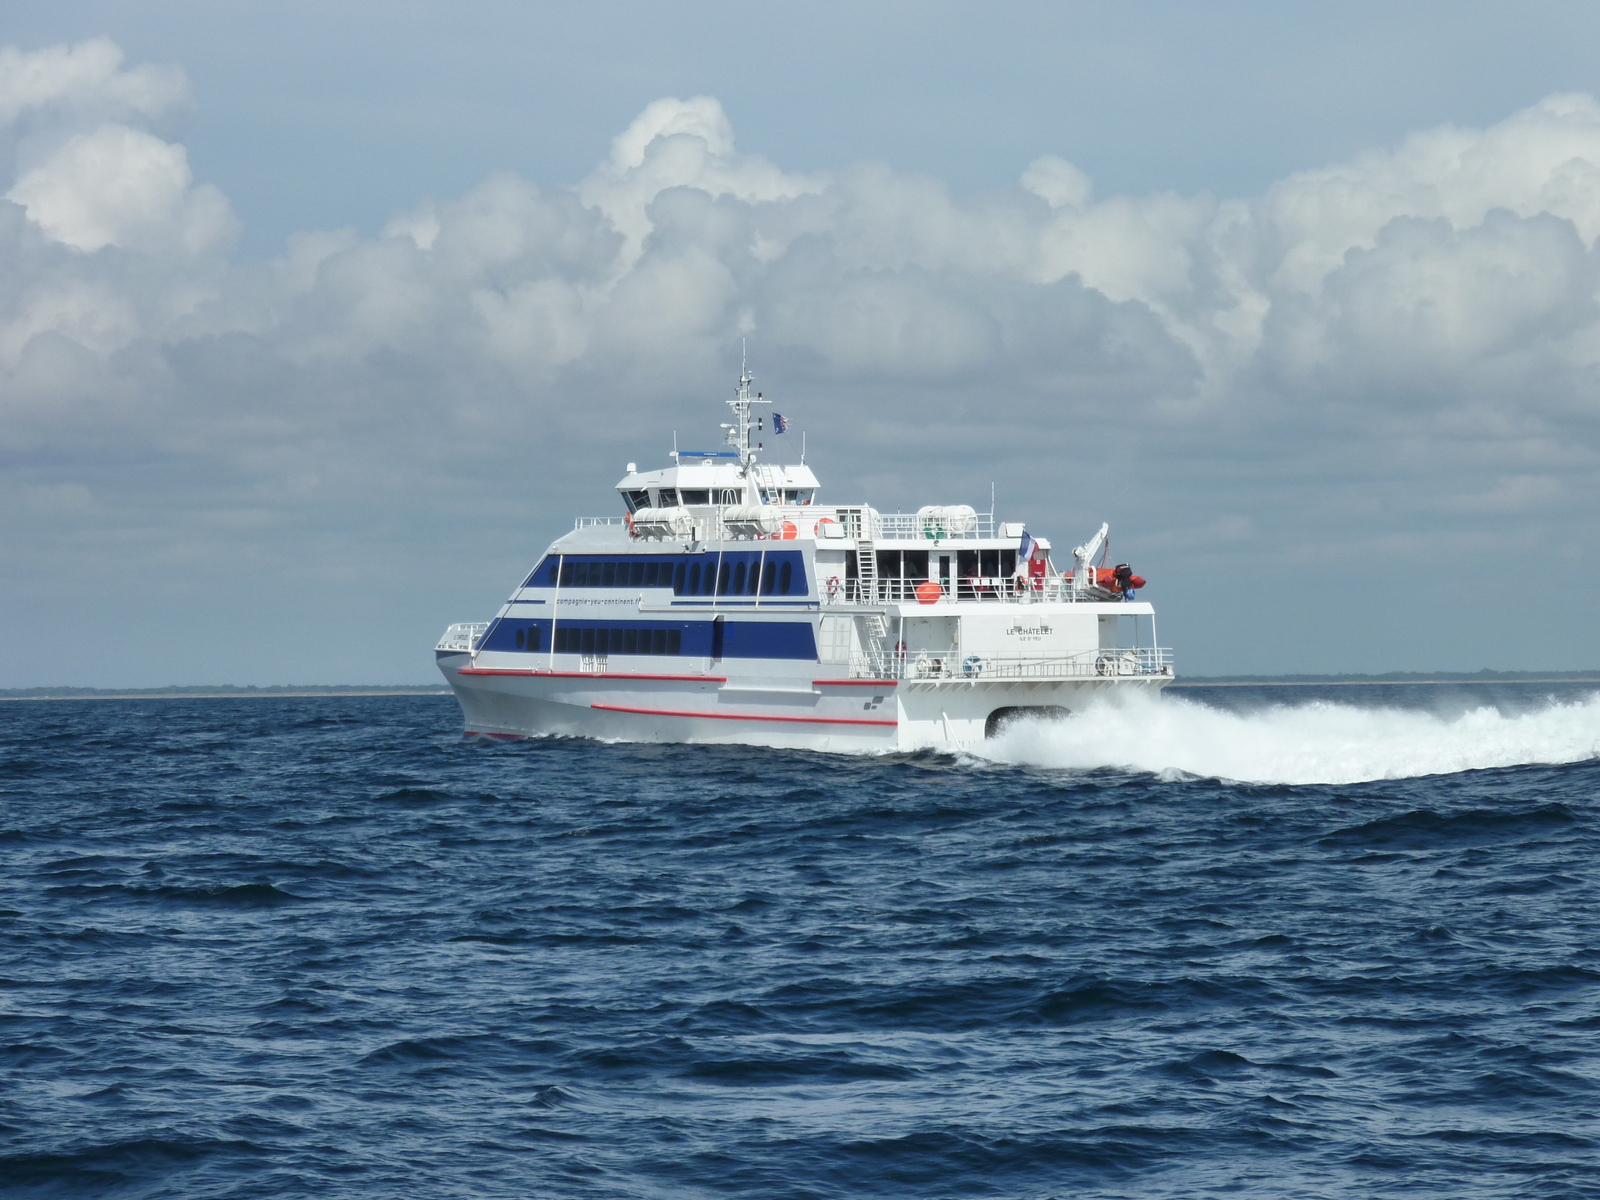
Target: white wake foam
1316	742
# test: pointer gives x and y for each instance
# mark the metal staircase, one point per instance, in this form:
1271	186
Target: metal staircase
866	571
875	627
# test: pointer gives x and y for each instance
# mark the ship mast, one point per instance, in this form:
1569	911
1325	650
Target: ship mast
738	433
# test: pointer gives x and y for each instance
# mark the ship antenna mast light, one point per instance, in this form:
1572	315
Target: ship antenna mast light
739	432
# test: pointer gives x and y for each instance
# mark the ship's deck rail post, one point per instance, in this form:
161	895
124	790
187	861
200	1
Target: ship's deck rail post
912	527
1010	589
951	666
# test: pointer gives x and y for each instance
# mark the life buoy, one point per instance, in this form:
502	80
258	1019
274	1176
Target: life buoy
833	586
628	521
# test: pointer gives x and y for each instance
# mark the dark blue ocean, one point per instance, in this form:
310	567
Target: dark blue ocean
1237	942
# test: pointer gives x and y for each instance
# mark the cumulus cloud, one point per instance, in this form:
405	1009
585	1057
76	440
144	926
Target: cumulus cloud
123	187
87	78
1391	355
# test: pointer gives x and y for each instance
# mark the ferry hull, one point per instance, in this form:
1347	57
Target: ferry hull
841	716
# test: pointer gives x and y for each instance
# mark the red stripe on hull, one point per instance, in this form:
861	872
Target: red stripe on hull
588	675
855	683
669	712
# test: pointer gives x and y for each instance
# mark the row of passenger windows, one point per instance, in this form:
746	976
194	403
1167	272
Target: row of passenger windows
737	574
671	497
734	579
618	641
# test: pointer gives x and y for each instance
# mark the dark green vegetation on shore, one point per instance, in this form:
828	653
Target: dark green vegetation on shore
227	690
1484	676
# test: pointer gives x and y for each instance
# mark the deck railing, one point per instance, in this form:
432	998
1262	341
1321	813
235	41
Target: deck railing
855	522
463	638
932	666
1011	589
903	526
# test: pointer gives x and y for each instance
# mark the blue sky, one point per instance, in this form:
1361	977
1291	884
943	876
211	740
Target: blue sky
318	321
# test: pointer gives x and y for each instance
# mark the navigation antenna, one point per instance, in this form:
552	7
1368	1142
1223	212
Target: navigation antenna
743	422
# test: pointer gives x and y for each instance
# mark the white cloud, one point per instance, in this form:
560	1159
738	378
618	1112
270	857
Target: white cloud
126	188
1400	351
86	77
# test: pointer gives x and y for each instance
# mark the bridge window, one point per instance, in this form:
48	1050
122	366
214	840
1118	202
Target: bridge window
667	497
695	495
636	500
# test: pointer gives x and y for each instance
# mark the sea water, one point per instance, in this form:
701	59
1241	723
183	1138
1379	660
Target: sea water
1253	941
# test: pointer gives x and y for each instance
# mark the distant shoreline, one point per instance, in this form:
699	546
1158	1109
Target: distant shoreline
214	692
232	692
1393	679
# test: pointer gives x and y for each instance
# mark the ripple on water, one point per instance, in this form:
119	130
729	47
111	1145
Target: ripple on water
327	946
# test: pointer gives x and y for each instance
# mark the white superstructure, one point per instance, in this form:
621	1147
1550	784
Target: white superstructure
731	604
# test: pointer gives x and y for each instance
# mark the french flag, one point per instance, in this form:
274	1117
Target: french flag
1025	551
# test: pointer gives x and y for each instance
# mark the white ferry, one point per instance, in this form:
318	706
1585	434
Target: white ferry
731	604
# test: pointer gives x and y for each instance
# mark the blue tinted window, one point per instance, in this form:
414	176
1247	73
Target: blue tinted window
785	577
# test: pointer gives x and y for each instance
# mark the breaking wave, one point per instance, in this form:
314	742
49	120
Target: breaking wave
1305	743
